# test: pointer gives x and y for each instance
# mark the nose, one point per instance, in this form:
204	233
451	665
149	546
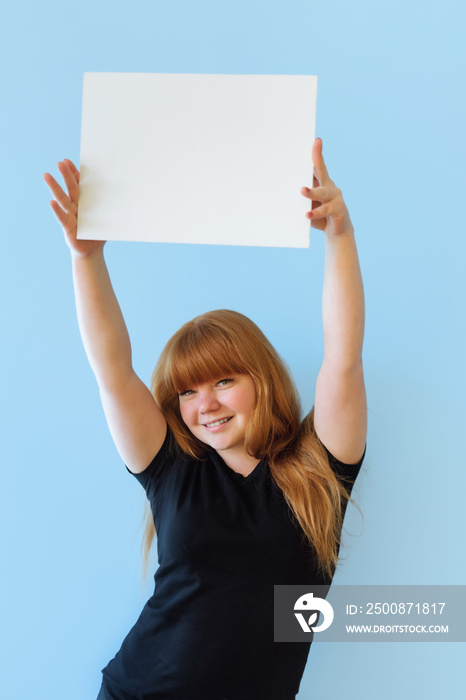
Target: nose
208	401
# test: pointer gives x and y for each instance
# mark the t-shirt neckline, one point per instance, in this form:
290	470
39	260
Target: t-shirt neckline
236	476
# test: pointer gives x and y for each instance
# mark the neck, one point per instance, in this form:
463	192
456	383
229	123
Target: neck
239	460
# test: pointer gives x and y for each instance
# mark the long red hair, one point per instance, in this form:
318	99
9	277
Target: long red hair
224	342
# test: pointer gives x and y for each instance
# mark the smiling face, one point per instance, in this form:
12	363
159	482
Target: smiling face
217	412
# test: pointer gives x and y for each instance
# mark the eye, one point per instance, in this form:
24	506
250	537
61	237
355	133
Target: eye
224	382
188	392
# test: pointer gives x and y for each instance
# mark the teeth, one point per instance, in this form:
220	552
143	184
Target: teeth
217	422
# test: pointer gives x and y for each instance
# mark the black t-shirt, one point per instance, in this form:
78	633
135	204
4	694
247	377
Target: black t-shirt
223	542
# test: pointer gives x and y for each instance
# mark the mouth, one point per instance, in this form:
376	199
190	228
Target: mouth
216	423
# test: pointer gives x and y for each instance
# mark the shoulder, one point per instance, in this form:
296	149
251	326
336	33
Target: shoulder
347	472
309	436
168	453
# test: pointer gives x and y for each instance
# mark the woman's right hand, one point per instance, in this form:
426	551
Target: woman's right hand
65	208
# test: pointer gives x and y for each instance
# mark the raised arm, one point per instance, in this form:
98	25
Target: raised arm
136	423
340	409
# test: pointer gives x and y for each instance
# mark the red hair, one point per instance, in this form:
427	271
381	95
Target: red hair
223	342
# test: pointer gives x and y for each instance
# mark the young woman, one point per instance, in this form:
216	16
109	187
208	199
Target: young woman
243	493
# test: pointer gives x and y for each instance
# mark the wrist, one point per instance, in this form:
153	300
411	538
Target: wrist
95	253
346	234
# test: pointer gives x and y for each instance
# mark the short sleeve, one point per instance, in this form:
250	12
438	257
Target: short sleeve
348	472
152	476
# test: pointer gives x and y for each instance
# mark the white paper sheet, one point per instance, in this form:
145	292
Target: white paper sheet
188	158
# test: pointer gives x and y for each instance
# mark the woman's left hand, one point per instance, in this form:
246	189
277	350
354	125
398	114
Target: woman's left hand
328	212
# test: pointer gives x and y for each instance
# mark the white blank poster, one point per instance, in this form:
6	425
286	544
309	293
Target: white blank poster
186	158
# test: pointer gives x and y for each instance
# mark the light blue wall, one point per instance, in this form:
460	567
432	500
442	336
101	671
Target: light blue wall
391	112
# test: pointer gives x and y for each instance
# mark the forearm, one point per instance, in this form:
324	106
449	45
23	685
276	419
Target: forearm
342	302
101	323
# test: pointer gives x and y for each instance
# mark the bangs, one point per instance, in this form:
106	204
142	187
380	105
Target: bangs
198	356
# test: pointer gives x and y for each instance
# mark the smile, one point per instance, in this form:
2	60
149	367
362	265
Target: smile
217	422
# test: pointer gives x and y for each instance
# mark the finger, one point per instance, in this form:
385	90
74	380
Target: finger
64	201
319	164
320	194
72	167
70	181
61	215
321	212
334	207
68	176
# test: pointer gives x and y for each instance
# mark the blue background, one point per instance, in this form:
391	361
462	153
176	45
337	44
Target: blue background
391	112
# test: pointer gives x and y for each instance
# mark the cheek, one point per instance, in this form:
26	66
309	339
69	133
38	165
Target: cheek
251	398
252	405
183	412
186	414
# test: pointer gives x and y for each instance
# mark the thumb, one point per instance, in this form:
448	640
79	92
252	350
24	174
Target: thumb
319	163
